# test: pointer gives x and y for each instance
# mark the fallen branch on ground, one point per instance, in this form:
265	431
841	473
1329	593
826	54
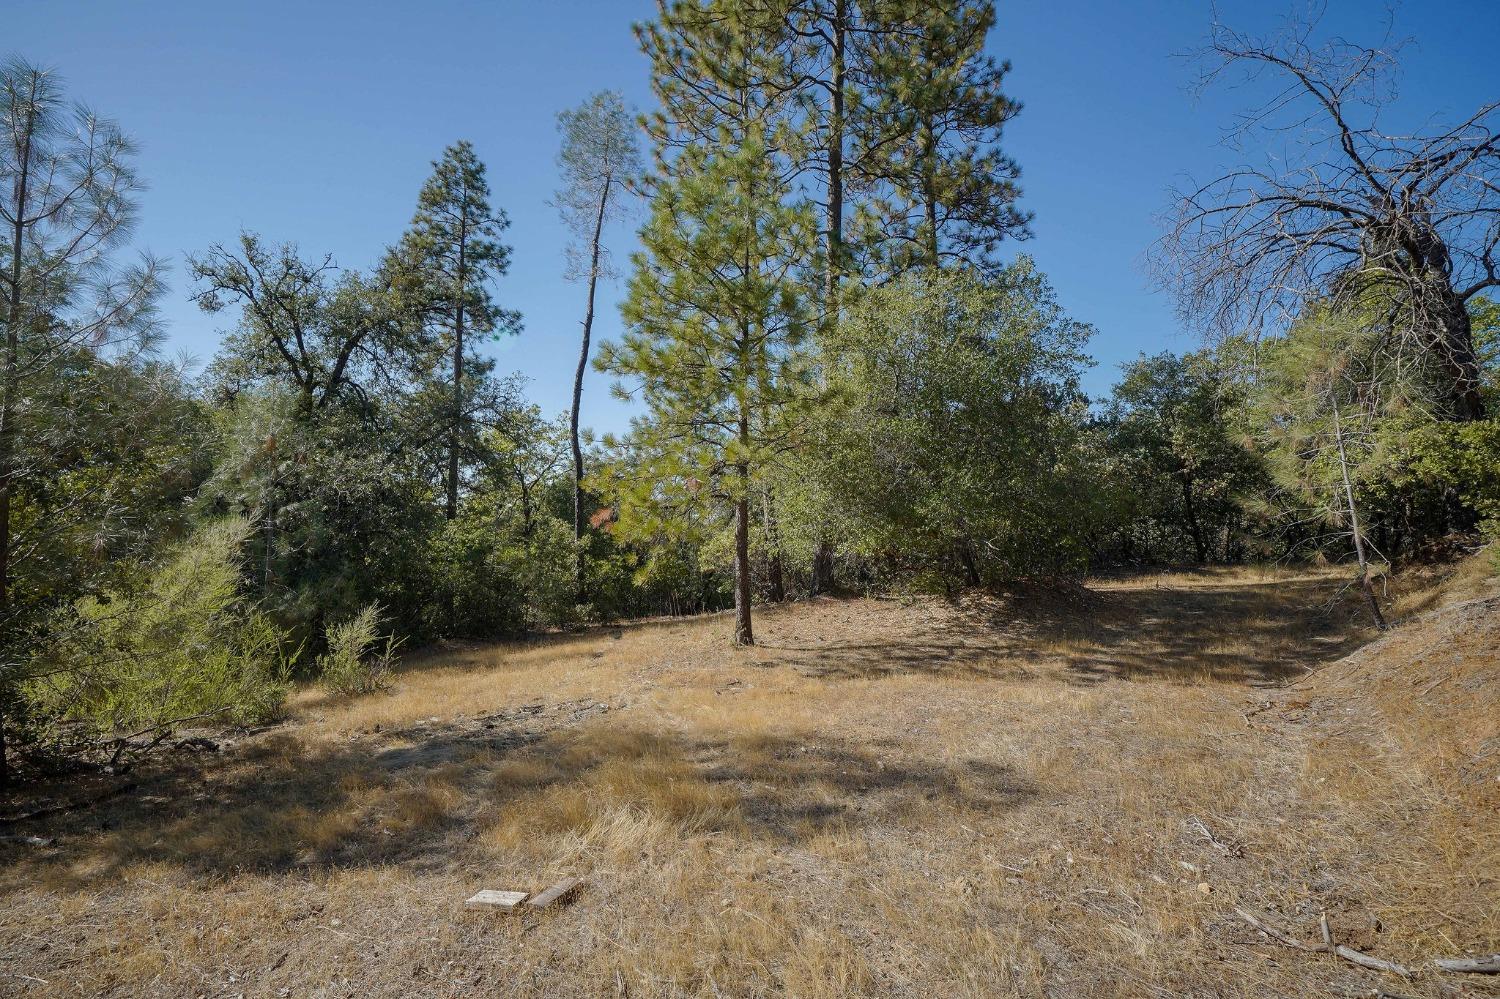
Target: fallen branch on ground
1470	965
1227	848
1327	947
1488	965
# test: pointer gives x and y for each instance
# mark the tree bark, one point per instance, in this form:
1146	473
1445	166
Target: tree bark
822	581
11	375
1359	544
583	363
1459	358
835	237
970	564
743	633
10	385
929	193
822	567
1190	510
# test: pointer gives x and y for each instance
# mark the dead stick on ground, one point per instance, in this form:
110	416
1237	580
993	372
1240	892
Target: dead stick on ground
1228	849
1347	953
1274	933
1470	965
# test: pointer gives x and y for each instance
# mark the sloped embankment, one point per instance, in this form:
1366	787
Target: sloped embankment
1435	679
1415	718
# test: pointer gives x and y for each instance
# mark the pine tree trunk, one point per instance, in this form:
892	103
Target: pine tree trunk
835	238
929	194
743	633
822	567
10	388
10	380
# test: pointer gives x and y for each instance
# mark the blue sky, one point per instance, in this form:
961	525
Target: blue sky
316	122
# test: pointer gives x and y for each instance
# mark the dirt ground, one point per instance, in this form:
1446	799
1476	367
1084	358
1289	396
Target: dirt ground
1057	795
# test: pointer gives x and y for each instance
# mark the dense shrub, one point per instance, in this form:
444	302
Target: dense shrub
182	644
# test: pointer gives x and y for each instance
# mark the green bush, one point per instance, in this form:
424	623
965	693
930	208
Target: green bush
355	662
182	644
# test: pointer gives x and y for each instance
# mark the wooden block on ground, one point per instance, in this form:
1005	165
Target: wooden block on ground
558	894
504	900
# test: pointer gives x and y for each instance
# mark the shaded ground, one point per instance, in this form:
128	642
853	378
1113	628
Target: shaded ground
1050	796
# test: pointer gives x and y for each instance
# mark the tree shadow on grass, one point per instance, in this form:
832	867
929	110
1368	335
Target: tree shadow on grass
1256	633
282	806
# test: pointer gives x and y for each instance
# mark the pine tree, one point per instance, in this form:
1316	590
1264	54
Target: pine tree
937	111
446	262
717	310
67	200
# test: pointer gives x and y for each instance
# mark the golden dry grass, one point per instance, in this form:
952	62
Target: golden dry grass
884	798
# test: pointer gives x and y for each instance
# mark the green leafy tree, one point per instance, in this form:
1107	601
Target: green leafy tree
955	455
1173	421
326	335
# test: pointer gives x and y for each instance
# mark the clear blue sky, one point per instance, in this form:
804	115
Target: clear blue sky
316	122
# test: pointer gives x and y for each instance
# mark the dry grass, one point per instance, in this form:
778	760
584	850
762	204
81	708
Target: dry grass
884	798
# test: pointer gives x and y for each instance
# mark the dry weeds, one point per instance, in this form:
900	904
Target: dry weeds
1004	798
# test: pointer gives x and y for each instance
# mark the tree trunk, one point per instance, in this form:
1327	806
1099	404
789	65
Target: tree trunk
929	193
970	564
743	633
1190	509
10	380
10	388
1359	544
527	528
822	567
822	574
833	266
583	362
1459	358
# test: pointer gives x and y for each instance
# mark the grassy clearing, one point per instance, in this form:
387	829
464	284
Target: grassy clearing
1004	798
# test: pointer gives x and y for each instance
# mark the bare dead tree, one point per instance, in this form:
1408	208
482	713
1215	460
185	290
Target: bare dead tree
599	159
1342	206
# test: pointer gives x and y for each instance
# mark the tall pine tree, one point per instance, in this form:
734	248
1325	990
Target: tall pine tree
445	263
719	304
